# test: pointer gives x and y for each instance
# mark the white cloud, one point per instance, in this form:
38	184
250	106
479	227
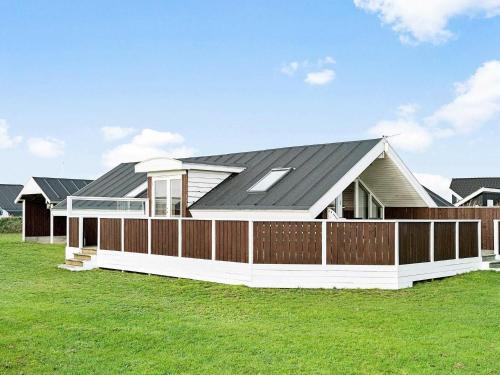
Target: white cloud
46	147
316	73
426	20
438	184
405	134
6	140
320	78
113	133
476	103
147	144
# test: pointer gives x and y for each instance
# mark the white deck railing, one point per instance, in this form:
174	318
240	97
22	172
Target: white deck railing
108	206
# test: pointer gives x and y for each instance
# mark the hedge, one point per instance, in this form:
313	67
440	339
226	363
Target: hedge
11	225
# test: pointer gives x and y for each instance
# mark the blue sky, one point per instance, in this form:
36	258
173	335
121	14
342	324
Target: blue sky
83	86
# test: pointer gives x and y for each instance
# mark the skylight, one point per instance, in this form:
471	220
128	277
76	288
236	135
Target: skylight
269	180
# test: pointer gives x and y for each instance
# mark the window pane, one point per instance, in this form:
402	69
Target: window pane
269	180
376	209
160	199
363	202
175	197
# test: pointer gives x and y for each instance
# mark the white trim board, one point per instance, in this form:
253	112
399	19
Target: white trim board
475	194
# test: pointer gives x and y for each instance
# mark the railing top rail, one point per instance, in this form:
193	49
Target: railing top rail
117	199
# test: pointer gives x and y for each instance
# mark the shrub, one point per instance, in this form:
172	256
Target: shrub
11	225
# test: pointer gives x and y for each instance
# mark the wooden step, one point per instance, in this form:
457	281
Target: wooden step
88	251
488	258
83	257
74	262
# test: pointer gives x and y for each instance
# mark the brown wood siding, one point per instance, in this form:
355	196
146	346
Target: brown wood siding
287	243
37	218
444	241
74	232
197	239
231	241
485	214
360	243
60	223
467	240
184	209
89	231
136	235
414	243
165	237
110	234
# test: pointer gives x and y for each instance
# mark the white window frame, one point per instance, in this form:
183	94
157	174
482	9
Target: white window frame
167	179
371	197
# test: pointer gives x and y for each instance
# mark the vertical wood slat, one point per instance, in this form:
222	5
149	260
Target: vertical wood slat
165	237
468	239
197	239
444	241
414	242
361	243
136	235
110	234
287	243
231	241
73	232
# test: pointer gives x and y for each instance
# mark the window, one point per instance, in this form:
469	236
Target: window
266	182
167	197
363	201
376	209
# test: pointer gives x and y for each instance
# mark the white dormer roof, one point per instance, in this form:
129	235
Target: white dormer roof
169	164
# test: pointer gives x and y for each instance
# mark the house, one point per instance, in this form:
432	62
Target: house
8	194
439	200
38	196
476	192
259	218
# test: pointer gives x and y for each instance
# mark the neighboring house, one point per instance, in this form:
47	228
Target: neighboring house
8	194
439	200
38	197
337	180
476	192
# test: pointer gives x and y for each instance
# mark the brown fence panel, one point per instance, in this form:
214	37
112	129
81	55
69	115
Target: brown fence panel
414	243
467	240
136	236
444	241
59	226
231	241
197	239
360	243
110	234
486	214
165	237
287	243
74	232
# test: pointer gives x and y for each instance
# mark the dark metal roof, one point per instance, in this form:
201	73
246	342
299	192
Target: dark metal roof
316	169
439	200
57	189
8	195
467	186
116	183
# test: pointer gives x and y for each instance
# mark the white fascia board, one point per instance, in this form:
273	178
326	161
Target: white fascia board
251	214
138	190
410	177
31	187
59	212
169	164
475	194
456	195
347	179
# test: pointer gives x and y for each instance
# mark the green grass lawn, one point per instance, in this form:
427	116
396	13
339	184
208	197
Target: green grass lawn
56	321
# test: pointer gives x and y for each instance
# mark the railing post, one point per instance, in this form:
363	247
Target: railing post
431	242
67	228
98	233
323	242
123	234
457	239
396	243
179	236
69	204
213	239
52	227
250	242
149	235
80	232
